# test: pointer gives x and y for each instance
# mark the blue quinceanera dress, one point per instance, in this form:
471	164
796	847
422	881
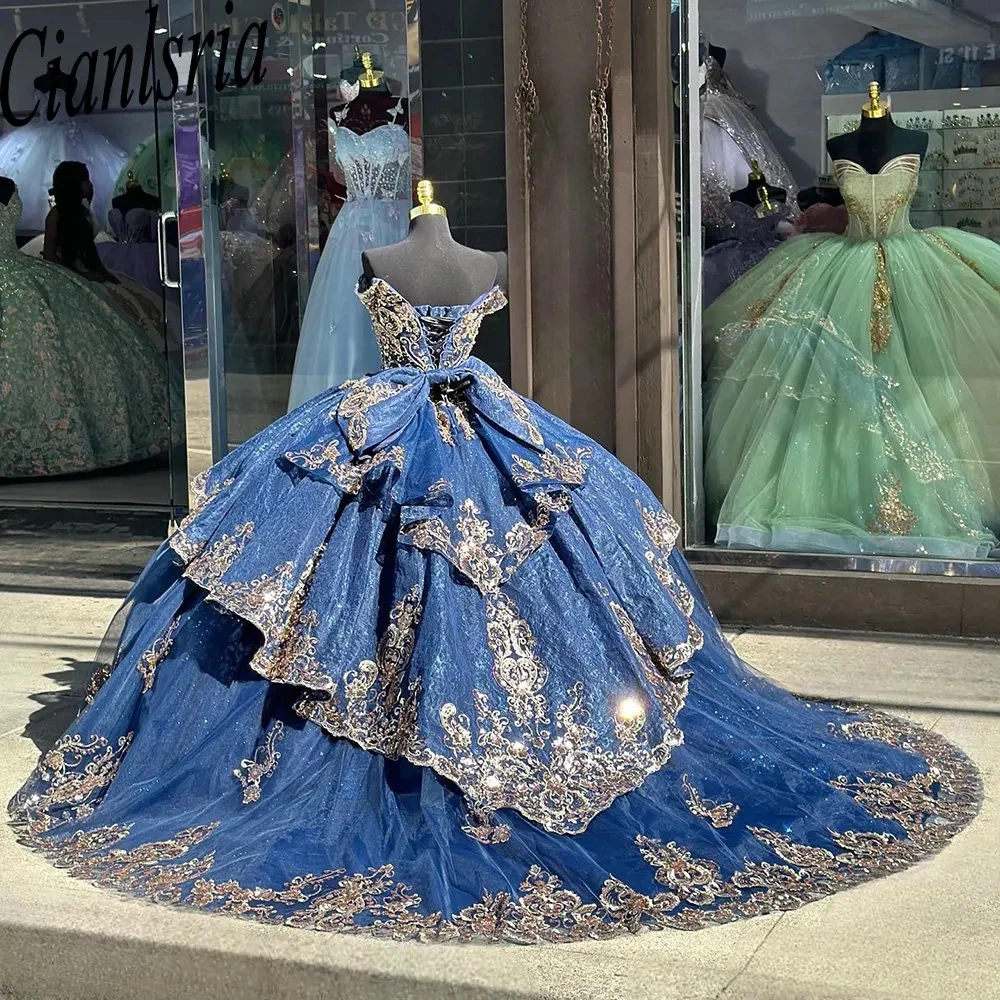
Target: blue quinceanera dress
335	341
425	662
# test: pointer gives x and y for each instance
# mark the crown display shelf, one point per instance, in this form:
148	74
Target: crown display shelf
960	179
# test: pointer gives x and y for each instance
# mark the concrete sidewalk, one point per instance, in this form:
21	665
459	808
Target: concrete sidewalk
931	932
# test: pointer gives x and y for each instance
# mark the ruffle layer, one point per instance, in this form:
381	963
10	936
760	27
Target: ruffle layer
434	530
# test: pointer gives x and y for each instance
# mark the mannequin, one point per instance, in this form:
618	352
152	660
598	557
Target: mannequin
430	267
54	79
823	192
374	105
135	196
7	189
878	139
758	191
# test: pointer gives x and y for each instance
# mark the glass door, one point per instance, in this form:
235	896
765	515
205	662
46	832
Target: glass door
260	189
91	407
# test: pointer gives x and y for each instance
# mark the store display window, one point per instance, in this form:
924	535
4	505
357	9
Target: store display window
841	162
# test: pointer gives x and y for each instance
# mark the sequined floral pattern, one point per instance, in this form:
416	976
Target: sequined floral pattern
684	891
81	386
257	768
464	690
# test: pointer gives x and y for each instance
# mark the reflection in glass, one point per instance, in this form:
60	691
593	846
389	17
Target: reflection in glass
850	345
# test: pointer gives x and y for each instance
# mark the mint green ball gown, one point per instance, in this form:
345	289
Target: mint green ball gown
853	386
81	387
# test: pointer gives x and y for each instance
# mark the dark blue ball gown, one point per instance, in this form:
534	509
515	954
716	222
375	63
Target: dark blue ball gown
425	662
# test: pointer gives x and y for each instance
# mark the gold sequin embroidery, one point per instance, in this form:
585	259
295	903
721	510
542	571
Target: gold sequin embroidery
378	709
484	563
719	814
186	547
560	465
264	762
893	517
693	891
150	660
518	406
358	400
396	325
880	324
75	774
466	328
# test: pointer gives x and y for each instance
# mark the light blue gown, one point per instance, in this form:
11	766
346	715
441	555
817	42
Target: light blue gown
336	342
29	156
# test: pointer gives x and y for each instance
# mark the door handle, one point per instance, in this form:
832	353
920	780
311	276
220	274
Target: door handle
161	248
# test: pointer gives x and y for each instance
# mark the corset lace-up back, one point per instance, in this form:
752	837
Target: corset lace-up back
425	337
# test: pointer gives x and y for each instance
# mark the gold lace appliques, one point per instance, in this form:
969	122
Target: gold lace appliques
151	659
377	712
661	667
348	475
466	328
187	548
358	401
719	814
663	532
517	667
518	406
560	465
98	679
396	325
967	261
694	893
207	567
444	412
323	453
264	762
74	776
332	901
485	564
893	517
759	309
890	206
880	324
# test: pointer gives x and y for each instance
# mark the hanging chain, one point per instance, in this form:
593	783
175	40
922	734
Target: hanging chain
599	131
525	100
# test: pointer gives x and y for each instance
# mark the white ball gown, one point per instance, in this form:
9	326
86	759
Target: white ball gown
30	154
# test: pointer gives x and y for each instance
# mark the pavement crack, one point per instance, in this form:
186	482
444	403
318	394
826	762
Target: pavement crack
746	965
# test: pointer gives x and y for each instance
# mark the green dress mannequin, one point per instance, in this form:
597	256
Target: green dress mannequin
853	386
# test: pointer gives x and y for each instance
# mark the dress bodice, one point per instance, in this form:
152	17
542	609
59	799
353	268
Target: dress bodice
134	226
10	215
425	337
375	164
878	205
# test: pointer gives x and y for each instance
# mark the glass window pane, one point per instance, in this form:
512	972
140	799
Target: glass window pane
843	282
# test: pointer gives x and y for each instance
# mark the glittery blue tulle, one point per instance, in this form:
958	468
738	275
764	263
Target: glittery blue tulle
424	661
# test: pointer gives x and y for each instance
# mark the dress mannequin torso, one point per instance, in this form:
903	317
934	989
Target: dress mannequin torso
372	108
877	141
431	268
751	195
135	196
